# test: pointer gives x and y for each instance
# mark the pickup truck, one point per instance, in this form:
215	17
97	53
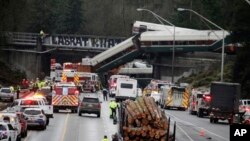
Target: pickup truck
21	104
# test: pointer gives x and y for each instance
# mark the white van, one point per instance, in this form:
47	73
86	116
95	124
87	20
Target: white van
126	89
113	83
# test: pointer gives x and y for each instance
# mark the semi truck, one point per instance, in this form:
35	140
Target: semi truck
224	101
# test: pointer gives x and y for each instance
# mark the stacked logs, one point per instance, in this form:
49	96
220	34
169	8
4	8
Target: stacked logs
145	121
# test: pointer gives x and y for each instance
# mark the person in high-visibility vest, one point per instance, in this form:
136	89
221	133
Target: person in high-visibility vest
113	106
11	88
105	138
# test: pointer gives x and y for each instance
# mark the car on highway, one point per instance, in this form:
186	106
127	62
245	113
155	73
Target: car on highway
13	119
21	120
90	104
7	132
6	94
35	117
21	104
245	106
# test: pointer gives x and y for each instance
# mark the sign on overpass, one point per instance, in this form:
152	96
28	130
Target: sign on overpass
81	41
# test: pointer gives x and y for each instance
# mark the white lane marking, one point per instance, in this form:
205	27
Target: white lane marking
185	133
189	123
65	127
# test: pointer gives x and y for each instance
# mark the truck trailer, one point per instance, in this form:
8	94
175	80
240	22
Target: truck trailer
224	101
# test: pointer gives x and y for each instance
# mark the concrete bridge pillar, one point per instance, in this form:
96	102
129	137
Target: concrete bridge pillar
41	59
156	66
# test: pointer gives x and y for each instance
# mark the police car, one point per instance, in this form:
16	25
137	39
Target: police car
7	132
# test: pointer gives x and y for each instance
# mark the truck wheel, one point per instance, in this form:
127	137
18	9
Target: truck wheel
199	113
79	113
230	121
47	121
161	105
211	120
216	120
98	115
44	127
55	110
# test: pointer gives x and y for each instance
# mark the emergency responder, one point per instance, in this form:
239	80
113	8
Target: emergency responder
113	106
17	91
42	35
105	94
105	138
11	88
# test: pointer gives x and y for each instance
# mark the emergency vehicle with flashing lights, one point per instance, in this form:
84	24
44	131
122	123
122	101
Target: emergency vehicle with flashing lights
80	75
177	98
112	82
20	104
200	103
65	96
154	87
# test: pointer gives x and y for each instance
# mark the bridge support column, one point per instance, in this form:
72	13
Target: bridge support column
41	59
157	67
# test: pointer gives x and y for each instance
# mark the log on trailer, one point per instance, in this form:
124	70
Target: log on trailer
143	120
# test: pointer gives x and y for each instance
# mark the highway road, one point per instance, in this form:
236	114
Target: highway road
191	128
66	126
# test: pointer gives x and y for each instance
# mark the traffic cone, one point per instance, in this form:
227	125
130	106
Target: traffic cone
202	132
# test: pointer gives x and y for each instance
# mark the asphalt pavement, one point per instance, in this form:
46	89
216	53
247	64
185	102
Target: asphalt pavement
193	128
66	126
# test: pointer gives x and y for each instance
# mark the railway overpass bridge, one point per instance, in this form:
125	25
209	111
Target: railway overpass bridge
29	52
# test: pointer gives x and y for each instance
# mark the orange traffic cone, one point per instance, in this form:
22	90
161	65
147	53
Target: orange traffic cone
202	132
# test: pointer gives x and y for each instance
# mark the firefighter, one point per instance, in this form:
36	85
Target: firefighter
113	106
105	138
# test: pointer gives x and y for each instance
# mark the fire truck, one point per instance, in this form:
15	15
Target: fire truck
80	75
200	103
154	87
177	98
65	96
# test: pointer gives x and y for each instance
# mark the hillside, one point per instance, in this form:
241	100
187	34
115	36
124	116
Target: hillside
10	77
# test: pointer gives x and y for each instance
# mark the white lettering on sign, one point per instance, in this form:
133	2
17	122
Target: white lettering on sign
240	132
84	41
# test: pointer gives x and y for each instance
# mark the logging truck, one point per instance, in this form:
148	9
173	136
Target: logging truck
143	119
